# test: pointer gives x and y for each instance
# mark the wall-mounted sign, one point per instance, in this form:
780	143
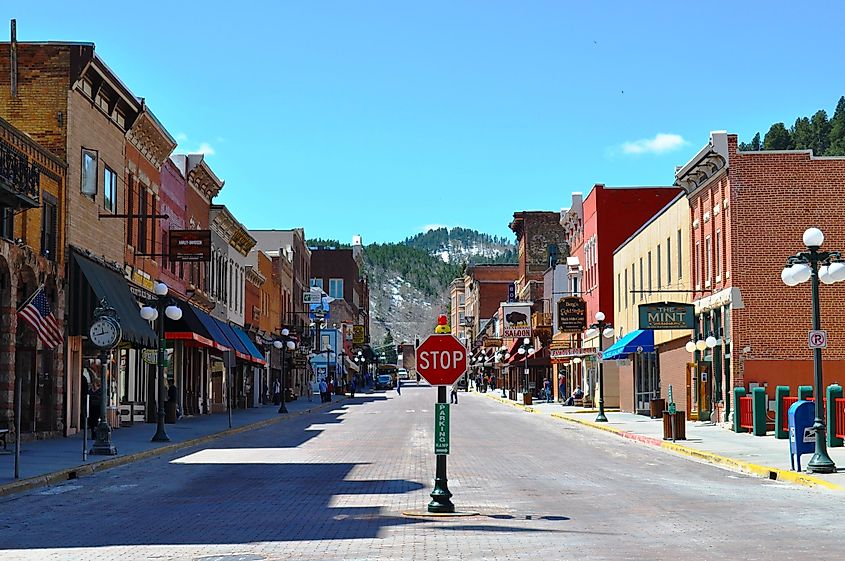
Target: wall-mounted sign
193	246
571	314
516	320
358	335
667	315
493	342
512	292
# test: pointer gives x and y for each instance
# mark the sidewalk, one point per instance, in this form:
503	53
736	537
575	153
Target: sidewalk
43	462
763	456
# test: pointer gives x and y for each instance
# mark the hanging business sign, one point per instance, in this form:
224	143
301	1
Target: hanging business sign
571	314
192	246
358	335
492	342
667	315
512	292
517	319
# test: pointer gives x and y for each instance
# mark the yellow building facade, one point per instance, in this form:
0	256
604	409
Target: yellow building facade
654	266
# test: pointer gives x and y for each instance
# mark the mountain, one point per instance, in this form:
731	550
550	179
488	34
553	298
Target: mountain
409	281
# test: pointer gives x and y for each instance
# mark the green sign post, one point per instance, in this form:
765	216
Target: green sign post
441	428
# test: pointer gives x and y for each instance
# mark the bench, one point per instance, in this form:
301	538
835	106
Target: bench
3	433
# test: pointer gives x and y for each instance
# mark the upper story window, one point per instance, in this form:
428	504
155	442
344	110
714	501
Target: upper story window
317	282
87	88
120	119
102	102
109	190
49	227
336	288
7	223
89	173
718	255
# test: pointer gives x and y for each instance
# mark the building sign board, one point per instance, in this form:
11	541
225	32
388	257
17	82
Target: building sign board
441	428
571	314
495	342
667	315
192	246
517	317
512	292
358	334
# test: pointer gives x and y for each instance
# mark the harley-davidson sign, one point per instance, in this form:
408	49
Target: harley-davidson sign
192	246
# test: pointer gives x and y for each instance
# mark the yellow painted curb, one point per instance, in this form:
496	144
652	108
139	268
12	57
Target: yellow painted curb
716	459
63	475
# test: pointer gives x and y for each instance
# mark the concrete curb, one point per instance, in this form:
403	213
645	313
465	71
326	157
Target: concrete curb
765	472
67	474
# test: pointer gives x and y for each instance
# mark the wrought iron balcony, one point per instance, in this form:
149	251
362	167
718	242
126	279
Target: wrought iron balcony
19	179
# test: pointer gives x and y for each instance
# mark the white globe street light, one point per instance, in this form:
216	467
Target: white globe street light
801	273
825	276
278	344
600	316
711	342
608	332
148	313
160	289
836	270
690	347
786	276
813	237
700	345
173	312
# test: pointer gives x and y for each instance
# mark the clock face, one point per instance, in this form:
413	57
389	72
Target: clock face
104	333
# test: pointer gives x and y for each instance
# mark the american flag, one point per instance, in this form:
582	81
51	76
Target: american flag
38	314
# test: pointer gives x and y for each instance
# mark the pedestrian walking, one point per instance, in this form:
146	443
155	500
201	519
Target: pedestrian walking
547	389
324	390
277	393
453	397
561	383
398	386
352	386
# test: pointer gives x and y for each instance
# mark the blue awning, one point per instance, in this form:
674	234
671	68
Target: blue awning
630	343
213	328
249	345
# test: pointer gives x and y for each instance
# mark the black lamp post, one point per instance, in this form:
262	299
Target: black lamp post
825	266
500	357
468	325
605	329
525	349
157	314
284	343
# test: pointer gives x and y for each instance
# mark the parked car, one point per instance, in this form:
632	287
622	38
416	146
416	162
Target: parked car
384	382
403	374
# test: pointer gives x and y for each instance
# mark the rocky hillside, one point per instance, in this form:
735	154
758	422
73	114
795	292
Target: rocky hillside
409	281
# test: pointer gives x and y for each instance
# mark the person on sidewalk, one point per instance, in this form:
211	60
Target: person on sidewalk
576	394
329	390
277	393
561	386
324	390
547	390
453	396
94	396
352	386
398	386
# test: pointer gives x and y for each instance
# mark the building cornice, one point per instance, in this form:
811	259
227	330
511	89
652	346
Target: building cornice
151	139
710	161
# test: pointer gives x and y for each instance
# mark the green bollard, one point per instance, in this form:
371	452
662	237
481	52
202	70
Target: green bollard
781	412
738	393
758	406
834	391
805	392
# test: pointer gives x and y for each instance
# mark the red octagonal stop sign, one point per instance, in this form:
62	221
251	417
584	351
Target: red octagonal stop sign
441	360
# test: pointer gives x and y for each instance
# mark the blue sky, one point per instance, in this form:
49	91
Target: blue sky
382	118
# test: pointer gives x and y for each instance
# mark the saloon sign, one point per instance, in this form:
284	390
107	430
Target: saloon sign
668	315
517	319
571	315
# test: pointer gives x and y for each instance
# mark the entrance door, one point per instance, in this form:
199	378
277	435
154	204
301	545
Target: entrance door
692	392
705	391
647	381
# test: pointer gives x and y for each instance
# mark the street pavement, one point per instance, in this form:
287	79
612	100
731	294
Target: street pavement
333	484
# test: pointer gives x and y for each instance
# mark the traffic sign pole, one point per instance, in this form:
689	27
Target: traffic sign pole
441	502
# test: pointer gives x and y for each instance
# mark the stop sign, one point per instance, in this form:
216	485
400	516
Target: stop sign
441	360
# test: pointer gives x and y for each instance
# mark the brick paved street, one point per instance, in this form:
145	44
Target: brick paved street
333	485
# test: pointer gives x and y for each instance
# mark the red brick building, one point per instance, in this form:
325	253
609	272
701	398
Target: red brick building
595	227
748	211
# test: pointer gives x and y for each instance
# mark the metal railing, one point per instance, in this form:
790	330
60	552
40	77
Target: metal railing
21	176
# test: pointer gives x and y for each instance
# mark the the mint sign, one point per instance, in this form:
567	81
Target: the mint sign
667	316
441	428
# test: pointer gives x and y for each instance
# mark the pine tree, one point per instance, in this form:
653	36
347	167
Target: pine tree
756	144
389	348
802	134
821	132
778	138
836	146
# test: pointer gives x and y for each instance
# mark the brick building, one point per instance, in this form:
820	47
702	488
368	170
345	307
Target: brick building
595	227
32	185
748	211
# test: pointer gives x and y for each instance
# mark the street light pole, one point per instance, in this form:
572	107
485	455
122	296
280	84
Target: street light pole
825	266
605	329
286	343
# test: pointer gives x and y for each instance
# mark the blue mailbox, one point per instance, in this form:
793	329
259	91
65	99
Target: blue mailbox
802	435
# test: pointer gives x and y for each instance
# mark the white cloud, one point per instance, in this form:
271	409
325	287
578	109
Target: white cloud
205	148
660	144
181	137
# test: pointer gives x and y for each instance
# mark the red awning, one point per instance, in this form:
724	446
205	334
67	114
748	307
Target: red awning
193	337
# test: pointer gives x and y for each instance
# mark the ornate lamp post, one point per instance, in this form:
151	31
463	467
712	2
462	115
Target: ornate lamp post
604	329
284	344
825	266
152	314
525	349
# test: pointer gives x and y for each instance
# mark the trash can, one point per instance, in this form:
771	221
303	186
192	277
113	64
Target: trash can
656	407
169	411
526	398
678	419
512	395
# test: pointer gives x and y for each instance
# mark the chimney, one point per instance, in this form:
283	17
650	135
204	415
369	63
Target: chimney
13	55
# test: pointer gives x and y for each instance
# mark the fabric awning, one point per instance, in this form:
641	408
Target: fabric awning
190	328
91	283
212	326
350	365
631	343
252	350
